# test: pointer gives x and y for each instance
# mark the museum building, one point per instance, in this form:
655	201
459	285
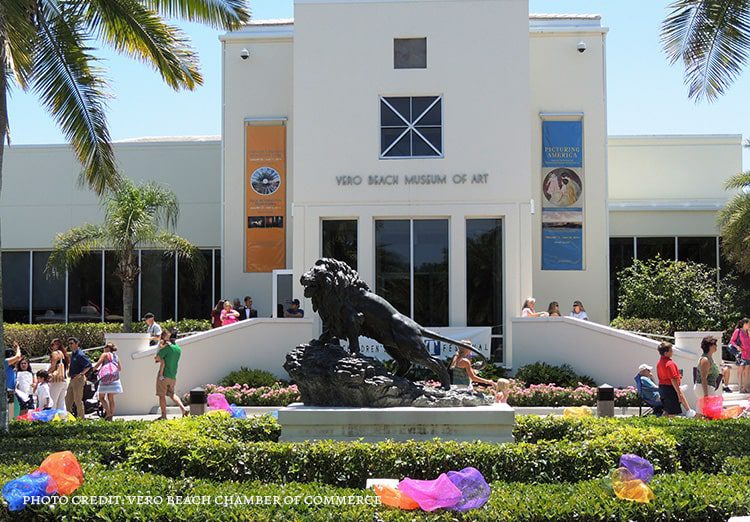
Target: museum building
454	152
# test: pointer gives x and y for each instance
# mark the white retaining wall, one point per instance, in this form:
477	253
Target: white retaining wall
206	357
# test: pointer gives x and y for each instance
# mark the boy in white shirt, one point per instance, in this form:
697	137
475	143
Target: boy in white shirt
43	397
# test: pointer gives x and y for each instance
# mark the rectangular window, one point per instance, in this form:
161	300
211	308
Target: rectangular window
621	254
410	53
650	247
85	290
411	127
340	240
484	278
697	249
158	284
194	298
411	267
48	293
16	280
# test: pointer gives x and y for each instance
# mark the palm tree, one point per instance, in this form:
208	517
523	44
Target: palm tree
45	47
133	217
712	38
734	223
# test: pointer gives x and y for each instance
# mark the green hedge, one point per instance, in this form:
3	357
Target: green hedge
351	463
679	497
34	338
636	324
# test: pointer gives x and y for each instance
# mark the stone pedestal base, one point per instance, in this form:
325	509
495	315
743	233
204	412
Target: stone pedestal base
487	423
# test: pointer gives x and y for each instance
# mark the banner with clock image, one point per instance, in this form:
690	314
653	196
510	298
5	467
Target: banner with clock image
265	196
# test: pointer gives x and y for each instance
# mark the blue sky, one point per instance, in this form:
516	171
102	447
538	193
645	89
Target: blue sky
645	94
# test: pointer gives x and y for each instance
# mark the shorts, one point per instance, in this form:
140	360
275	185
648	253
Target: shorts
669	400
741	361
165	387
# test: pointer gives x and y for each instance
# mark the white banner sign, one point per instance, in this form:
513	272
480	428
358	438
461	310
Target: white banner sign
478	335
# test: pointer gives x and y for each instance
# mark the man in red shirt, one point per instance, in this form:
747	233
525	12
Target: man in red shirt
669	382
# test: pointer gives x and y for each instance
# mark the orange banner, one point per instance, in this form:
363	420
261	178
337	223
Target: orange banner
265	197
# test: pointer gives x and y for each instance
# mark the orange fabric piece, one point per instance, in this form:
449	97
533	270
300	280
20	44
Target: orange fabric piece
391	496
65	471
732	412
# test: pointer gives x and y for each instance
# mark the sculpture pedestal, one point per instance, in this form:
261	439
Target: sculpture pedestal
487	423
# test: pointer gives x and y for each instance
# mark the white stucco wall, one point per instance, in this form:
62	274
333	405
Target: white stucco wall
259	87
566	81
41	197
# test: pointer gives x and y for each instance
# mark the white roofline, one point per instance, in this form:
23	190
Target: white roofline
674	139
656	205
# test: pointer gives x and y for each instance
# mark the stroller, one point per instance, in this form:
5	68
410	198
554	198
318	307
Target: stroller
91	402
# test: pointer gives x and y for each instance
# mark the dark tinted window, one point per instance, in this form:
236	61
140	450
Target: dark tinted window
16	280
393	263
410	53
157	284
650	247
85	289
621	251
411	127
48	294
194	291
340	240
431	272
697	249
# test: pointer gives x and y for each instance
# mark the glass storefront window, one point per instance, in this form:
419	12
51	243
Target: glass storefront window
48	293
195	298
431	272
650	247
340	240
16	279
484	278
621	255
393	262
85	290
697	249
158	284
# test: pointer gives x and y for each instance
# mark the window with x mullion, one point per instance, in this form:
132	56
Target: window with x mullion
411	127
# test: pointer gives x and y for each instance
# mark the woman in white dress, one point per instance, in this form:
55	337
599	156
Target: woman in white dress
108	391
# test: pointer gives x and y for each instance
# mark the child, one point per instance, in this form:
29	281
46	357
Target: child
43	397
25	385
502	391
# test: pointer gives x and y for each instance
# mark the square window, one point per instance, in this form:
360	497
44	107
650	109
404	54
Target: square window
410	53
411	127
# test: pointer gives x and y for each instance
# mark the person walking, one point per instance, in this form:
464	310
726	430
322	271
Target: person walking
80	365
707	377
741	341
669	383
57	373
168	359
109	379
152	328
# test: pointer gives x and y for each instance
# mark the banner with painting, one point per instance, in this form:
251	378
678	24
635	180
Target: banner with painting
265	196
478	335
562	194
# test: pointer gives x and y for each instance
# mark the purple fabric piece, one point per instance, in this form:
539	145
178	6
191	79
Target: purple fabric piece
474	489
31	485
217	401
432	494
639	467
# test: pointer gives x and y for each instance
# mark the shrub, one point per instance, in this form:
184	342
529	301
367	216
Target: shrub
251	378
682	293
636	324
551	395
351	463
34	338
276	395
543	373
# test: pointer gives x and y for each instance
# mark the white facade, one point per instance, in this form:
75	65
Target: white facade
498	72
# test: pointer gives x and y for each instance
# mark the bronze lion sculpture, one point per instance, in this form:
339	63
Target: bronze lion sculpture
348	309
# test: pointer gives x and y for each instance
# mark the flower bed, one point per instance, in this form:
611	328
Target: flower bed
553	395
243	395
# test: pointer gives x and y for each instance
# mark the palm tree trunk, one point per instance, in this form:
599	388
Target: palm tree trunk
128	272
3	133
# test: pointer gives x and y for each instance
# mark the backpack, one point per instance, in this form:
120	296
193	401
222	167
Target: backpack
109	372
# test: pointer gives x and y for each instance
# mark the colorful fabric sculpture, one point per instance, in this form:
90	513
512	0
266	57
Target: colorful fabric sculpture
391	496
638	467
60	473
46	416
711	406
630	480
732	412
431	494
217	401
475	492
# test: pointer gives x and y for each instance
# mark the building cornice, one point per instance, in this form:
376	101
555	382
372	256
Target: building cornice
666	205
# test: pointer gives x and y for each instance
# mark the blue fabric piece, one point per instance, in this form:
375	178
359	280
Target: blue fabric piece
31	485
237	413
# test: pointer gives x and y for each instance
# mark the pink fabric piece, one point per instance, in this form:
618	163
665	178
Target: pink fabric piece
217	401
711	406
432	494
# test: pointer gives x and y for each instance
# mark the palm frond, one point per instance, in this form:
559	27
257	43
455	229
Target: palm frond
738	181
17	17
219	14
68	248
183	251
139	32
712	38
72	90
734	224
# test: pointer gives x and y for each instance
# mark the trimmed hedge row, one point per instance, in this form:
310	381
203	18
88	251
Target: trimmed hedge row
160	450
34	338
679	497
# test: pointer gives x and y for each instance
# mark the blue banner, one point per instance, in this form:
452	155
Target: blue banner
562	144
562	247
